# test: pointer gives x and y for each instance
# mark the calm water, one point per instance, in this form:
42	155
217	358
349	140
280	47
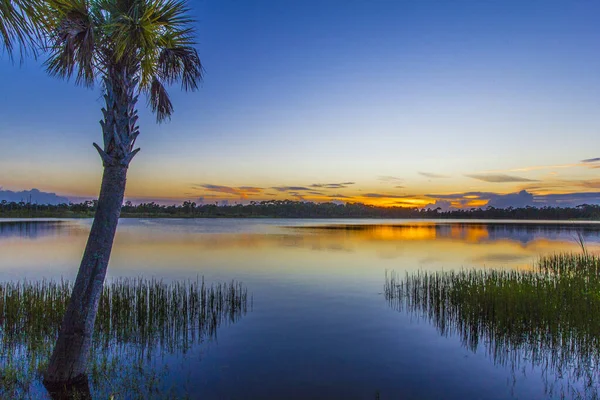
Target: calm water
320	326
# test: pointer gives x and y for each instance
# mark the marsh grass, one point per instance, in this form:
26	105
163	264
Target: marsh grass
138	320
548	317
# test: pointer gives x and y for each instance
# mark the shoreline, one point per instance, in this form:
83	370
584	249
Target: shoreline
512	221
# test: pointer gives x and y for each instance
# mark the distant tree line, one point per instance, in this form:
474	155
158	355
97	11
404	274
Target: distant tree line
296	209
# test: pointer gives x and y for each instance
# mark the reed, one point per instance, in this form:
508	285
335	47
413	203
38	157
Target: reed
136	319
548	316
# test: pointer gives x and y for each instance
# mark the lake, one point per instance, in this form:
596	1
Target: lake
319	325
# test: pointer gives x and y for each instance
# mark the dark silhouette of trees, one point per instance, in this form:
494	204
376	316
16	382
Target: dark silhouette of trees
299	209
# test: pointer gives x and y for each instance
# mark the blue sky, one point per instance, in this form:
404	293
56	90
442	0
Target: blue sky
406	99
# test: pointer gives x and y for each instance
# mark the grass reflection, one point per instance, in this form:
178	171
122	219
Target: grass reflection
137	321
548	317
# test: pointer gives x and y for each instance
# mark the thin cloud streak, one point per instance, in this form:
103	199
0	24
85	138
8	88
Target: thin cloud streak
290	188
518	199
433	175
499	178
532	168
583	163
389	178
242	191
384	196
332	185
591	160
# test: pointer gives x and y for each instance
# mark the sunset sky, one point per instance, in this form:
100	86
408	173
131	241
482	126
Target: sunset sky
410	103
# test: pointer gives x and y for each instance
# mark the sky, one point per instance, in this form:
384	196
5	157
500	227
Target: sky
392	103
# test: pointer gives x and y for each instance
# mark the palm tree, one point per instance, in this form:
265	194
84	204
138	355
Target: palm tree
131	47
21	25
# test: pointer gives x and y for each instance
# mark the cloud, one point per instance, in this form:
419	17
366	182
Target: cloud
499	178
432	175
384	196
460	200
519	199
242	191
406	203
444	205
332	185
466	195
569	199
561	185
289	188
34	196
532	168
591	184
591	160
388	178
297	195
338	196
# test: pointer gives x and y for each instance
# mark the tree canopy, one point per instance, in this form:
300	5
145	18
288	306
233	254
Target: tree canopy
298	209
149	40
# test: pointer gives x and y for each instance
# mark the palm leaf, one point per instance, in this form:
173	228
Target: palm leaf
73	41
159	101
181	63
21	26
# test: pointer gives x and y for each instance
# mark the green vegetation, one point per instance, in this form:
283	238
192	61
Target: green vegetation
294	209
547	317
138	320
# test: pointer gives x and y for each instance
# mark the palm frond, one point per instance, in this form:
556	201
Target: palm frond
149	40
159	101
172	14
181	63
21	26
73	41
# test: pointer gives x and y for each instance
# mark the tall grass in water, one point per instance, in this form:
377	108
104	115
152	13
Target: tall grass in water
548	317
136	318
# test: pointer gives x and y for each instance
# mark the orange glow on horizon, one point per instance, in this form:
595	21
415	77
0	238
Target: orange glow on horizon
142	188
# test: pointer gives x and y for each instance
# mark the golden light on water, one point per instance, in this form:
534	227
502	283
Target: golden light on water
342	250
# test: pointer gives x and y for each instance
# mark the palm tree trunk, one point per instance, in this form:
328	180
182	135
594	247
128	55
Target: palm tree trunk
70	355
69	358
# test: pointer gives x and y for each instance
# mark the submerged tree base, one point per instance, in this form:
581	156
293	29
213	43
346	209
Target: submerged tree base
77	388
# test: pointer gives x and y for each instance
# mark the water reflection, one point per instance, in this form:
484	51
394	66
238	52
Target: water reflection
472	232
320	328
30	229
138	322
547	319
245	247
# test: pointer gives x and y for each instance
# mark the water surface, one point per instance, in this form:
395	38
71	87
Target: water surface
319	326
